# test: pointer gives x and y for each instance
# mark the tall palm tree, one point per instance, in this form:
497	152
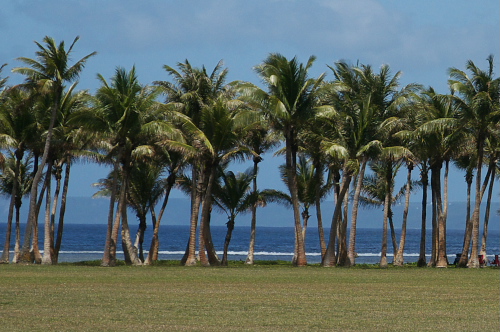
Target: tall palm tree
224	125
131	120
18	132
365	106
259	141
477	97
15	182
290	101
48	74
193	90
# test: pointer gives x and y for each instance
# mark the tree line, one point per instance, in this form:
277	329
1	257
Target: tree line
348	136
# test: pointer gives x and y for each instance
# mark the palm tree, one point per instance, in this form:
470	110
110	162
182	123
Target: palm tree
233	196
477	97
15	181
191	92
363	106
145	190
47	74
258	141
175	162
224	125
132	122
289	103
18	132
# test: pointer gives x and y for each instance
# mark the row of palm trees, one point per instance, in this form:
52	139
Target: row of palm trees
328	131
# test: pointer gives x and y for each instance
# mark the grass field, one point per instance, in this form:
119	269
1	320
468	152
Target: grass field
238	298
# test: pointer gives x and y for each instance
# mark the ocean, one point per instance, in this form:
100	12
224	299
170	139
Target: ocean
86	242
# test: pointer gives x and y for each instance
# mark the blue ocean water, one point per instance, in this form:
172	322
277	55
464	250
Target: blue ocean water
86	242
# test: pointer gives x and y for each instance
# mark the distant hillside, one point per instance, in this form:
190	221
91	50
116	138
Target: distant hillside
83	210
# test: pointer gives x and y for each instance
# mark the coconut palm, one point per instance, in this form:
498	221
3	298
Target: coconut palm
289	102
192	91
232	194
48	74
477	97
364	105
132	122
259	141
15	182
224	125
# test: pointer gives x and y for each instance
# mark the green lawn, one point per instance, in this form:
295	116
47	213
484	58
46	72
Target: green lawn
259	298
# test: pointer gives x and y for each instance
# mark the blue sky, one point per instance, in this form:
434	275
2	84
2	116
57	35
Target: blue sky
420	38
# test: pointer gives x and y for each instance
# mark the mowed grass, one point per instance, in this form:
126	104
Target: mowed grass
238	298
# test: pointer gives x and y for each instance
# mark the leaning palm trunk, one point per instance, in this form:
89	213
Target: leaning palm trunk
155	242
399	258
205	218
25	255
329	259
129	250
351	253
139	239
487	217
342	234
393	232
62	212
230	228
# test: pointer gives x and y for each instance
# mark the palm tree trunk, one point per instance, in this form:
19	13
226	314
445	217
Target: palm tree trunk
319	181
383	256
468	223
253	226
62	211
25	256
487	218
195	211
205	217
442	259
230	227
351	253
129	249
422	261
399	258
6	249
393	232
305	218
17	245
291	169
109	257
473	260
155	242
48	243
342	234
139	240
329	259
